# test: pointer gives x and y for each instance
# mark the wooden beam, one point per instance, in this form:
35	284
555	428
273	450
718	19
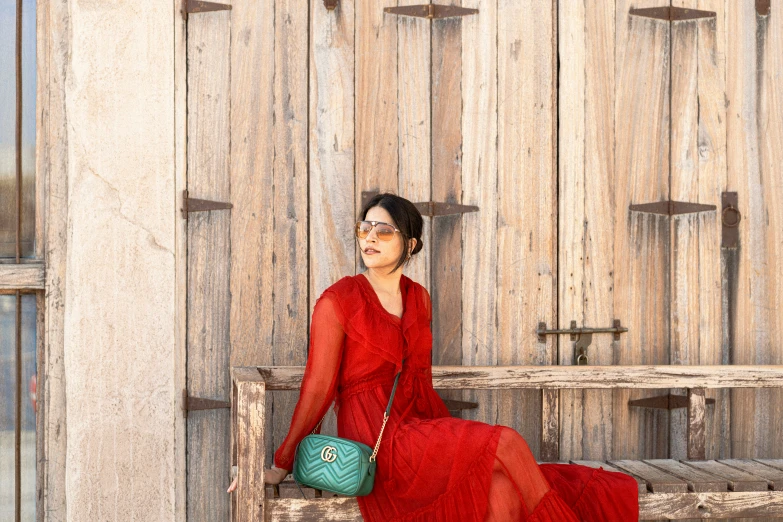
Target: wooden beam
28	276
573	377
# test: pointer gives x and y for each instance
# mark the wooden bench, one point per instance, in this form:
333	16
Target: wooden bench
668	489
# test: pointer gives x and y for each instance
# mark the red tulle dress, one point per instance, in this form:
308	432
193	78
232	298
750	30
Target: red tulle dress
431	466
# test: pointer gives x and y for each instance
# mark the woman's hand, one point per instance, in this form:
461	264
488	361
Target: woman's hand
271	476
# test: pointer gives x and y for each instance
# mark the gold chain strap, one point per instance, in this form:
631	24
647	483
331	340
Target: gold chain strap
380	435
319	423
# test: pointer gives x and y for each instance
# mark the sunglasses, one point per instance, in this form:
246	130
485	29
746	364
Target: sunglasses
384	231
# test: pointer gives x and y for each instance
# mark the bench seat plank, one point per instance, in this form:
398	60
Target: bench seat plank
337	509
652	506
657	481
773	476
775	463
600	464
711	504
697	480
738	480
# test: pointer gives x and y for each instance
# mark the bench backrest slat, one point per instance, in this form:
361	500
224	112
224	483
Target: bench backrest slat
571	377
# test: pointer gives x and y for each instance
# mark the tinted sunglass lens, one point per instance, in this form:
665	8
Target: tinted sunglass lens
385	232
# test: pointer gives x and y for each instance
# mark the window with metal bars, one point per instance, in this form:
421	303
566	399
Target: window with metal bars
19	320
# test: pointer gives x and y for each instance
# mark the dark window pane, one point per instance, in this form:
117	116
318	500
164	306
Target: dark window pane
8	128
8	418
28	128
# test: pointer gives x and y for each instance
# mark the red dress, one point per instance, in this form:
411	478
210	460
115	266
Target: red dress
431	466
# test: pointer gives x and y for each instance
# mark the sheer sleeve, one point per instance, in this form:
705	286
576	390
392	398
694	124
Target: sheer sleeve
427	304
319	384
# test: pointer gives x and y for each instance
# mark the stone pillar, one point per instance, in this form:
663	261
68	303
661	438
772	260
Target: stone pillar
122	393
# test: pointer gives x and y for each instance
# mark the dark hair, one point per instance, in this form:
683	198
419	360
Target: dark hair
404	214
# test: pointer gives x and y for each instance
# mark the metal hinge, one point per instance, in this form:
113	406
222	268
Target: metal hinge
456	405
430	11
670	208
200	205
197	403
198	6
429	208
665	402
672	14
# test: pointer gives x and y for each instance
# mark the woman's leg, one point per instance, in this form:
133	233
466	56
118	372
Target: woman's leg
517	482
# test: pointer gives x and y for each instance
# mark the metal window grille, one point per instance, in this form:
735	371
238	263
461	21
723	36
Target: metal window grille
18	316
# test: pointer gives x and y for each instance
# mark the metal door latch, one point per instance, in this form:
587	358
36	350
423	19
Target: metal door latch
582	337
580	348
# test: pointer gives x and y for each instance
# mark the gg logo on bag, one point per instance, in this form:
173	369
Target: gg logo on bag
329	454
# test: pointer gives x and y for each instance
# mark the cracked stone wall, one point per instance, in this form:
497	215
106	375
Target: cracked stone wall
121	394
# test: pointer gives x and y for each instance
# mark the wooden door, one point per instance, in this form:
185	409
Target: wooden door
651	110
553	123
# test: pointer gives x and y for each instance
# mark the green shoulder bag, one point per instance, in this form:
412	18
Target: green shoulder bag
335	464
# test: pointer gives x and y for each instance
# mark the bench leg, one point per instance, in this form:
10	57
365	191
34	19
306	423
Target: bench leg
696	417
248	440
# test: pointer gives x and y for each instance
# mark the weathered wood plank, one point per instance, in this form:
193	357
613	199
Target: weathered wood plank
414	128
679	506
572	149
208	340
754	154
331	141
672	506
377	104
600	464
332	191
685	269
775	463
53	61
586	94
578	377
250	411
658	481
446	180
181	255
713	176
697	480
773	476
290	266
253	144
642	287
479	187
301	510
526	227
738	480
22	277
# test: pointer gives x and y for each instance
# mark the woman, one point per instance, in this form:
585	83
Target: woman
431	467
